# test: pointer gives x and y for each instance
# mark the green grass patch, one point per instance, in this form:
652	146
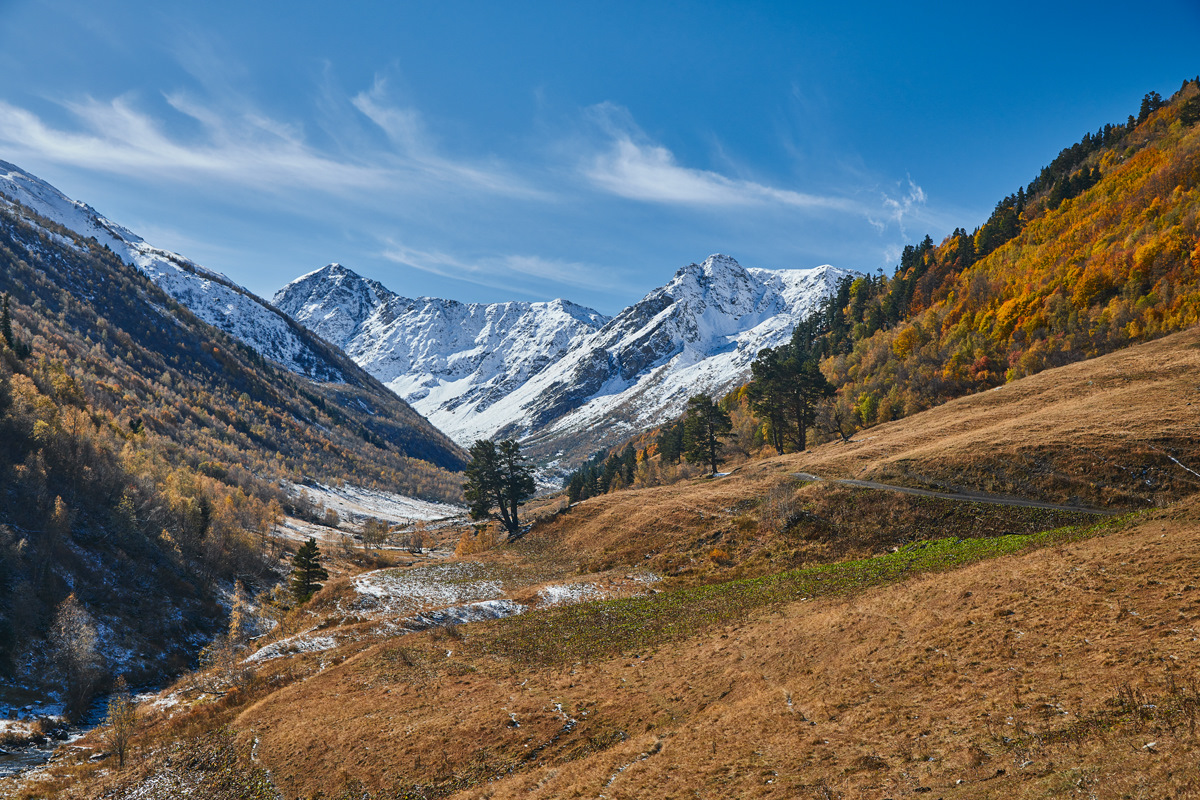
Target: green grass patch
604	628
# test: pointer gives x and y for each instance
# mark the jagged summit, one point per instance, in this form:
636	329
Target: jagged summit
548	372
698	333
453	359
332	301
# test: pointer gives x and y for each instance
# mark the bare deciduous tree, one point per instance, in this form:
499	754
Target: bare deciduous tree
374	533
74	648
121	721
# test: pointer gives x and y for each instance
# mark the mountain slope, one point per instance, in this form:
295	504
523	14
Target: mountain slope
142	450
556	374
1099	252
211	296
80	235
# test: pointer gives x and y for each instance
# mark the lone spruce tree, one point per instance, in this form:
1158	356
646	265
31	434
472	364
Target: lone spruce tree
703	429
498	482
307	572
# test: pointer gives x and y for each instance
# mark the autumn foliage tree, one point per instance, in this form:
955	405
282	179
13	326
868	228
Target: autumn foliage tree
121	720
75	652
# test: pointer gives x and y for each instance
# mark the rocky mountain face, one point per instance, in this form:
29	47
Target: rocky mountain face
563	378
453	361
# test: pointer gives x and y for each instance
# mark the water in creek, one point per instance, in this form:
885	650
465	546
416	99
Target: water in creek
15	760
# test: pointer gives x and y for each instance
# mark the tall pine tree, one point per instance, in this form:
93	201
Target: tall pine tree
499	480
6	322
704	428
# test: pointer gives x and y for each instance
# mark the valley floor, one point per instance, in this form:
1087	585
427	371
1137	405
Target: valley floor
758	636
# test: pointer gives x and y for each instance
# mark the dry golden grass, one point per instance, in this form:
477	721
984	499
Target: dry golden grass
1099	431
1042	665
1061	671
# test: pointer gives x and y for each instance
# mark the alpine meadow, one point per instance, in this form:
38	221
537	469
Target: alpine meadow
555	481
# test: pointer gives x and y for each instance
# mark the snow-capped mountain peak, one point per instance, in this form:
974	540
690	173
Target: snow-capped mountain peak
333	301
563	377
451	360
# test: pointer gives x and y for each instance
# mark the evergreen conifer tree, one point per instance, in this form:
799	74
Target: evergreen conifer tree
670	442
307	572
706	425
499	480
6	322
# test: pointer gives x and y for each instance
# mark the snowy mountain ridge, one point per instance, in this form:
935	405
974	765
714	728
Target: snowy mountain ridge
210	295
563	378
452	361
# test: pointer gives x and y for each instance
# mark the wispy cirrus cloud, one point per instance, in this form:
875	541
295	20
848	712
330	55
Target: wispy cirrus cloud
500	272
405	128
235	143
900	209
118	138
636	168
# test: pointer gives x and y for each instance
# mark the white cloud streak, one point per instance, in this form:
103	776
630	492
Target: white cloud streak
499	272
637	169
405	128
117	138
248	148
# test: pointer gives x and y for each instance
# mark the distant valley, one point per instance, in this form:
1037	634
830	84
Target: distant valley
563	378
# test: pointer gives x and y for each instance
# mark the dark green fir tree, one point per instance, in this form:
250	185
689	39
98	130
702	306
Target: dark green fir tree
307	572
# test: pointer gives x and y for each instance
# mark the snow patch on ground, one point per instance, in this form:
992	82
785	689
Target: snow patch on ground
355	503
16	727
300	643
403	592
165	701
569	593
452	615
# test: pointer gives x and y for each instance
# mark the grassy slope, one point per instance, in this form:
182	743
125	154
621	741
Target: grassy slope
1042	670
1017	664
1100	431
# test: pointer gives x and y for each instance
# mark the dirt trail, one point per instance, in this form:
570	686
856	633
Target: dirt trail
968	497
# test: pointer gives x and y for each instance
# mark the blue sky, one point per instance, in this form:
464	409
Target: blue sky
524	151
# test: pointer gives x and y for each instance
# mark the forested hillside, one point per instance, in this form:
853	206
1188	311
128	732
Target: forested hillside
141	454
1101	250
1098	252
